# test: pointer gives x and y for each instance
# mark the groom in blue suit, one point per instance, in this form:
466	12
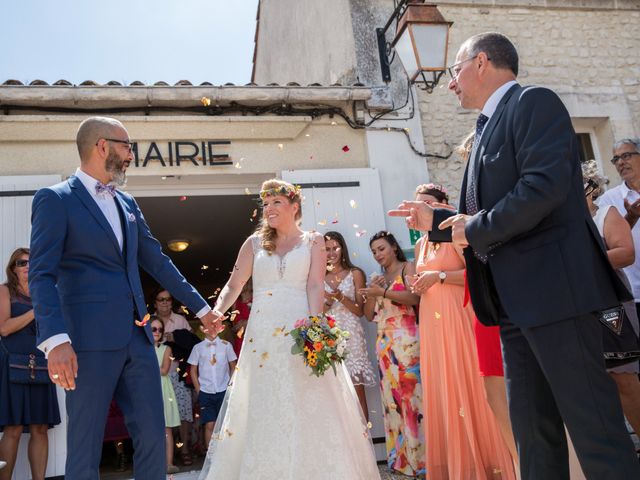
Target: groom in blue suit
88	240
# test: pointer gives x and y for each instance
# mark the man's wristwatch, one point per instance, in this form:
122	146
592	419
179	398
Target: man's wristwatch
442	276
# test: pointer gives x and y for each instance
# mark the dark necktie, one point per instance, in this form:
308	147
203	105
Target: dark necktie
471	198
102	188
471	202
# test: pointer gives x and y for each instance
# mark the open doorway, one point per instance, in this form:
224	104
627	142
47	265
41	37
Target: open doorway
215	227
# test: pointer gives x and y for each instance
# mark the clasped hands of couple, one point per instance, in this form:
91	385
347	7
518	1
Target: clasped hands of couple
63	362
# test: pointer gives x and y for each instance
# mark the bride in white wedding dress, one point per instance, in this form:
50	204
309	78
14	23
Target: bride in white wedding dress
277	421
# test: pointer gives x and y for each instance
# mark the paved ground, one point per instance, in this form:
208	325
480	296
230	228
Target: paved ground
384	475
193	471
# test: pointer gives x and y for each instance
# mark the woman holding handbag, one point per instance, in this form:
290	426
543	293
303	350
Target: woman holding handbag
28	399
621	348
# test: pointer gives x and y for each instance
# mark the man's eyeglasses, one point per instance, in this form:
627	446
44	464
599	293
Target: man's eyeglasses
163	299
125	142
157	329
454	70
625	156
22	262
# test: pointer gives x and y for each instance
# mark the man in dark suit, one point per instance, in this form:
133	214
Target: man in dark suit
535	266
87	241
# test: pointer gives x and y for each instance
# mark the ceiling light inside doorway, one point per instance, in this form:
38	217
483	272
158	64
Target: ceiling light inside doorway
178	245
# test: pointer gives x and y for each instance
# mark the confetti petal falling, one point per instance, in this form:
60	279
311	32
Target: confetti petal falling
144	321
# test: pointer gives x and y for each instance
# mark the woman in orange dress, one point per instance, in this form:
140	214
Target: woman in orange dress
464	440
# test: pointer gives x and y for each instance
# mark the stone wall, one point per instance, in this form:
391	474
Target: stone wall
590	57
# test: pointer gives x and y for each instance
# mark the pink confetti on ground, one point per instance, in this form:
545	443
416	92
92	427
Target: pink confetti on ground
345	149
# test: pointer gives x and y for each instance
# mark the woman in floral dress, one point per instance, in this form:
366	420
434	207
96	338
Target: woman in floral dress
390	304
343	302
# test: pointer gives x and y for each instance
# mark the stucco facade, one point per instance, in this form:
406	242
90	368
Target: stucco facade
588	52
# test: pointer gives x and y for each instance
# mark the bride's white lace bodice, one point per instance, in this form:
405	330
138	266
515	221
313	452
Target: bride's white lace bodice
274	272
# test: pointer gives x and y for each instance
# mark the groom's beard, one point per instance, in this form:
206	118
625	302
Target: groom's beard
114	165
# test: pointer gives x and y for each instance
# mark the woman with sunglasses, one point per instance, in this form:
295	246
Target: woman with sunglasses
31	407
171	414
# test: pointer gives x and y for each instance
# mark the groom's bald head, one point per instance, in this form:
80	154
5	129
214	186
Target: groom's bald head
93	129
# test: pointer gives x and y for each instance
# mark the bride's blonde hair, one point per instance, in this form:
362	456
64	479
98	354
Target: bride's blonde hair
273	188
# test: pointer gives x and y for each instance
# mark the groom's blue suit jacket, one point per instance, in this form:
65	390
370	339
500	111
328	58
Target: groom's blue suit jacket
81	282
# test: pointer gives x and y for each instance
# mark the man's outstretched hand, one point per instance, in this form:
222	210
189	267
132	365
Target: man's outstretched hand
418	215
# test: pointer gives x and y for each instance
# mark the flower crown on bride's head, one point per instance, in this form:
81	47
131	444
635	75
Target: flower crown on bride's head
290	192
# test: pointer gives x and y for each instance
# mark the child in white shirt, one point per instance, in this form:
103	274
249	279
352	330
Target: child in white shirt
212	364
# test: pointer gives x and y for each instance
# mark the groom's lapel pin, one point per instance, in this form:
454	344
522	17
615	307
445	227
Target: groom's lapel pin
132	217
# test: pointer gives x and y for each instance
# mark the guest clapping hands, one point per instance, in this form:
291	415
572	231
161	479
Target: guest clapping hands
390	304
344	302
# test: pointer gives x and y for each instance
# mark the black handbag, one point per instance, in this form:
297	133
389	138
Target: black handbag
27	369
620	342
612	318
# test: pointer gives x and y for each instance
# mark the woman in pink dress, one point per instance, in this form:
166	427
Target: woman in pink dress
464	441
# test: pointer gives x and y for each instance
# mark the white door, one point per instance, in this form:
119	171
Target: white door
16	195
348	201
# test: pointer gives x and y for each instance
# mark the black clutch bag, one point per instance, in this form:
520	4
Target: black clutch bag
27	369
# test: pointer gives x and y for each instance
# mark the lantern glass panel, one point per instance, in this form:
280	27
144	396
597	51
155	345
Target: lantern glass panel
431	45
404	49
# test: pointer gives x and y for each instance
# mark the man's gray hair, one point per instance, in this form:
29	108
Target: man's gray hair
499	49
627	141
93	129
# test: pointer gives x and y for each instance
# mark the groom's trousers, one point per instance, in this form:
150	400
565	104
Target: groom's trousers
555	373
131	375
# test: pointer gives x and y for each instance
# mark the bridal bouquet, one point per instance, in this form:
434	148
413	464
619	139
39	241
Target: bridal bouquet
320	342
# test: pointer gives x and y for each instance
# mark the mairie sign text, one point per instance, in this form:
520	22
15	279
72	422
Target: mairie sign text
200	153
